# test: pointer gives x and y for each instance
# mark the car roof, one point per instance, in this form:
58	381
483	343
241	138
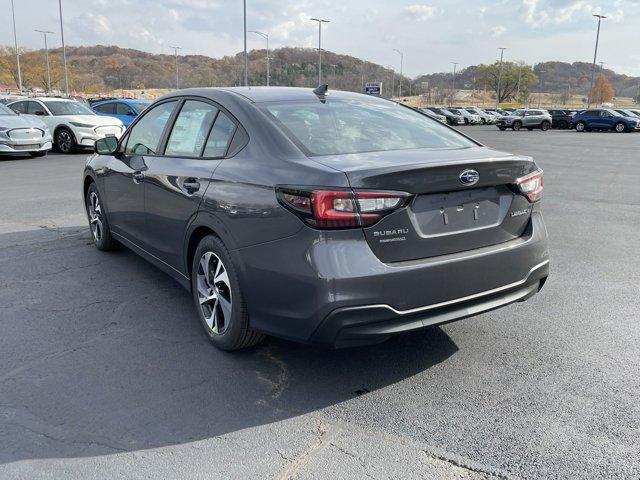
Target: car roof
266	94
122	100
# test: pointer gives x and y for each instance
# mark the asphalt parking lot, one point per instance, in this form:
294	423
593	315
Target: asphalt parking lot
105	371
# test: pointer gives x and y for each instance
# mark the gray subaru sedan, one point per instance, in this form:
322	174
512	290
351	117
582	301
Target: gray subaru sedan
319	216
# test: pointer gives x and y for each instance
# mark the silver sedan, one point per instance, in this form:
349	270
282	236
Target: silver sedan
23	134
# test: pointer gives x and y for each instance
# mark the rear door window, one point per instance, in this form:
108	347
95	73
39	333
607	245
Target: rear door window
191	128
20	107
35	108
123	109
106	108
220	136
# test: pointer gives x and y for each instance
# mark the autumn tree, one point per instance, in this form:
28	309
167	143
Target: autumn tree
602	90
504	80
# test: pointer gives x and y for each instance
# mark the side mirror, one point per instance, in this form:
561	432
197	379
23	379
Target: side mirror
131	113
106	145
40	113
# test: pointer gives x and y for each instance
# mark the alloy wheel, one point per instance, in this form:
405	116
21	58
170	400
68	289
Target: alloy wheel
65	142
95	216
214	292
620	128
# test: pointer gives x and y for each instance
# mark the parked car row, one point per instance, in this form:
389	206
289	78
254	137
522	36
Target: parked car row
620	120
464	116
36	125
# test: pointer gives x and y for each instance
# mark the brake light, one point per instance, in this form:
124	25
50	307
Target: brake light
531	185
331	209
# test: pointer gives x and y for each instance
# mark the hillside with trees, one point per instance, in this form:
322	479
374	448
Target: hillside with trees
101	69
105	68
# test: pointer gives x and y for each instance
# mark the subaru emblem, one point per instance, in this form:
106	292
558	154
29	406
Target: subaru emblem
469	177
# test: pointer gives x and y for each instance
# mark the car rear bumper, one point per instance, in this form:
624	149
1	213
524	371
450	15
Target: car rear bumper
329	288
367	324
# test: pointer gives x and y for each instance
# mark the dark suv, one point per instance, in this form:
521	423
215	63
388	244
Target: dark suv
561	118
330	218
604	119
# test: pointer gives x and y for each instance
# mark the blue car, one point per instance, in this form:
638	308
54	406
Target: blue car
604	119
123	109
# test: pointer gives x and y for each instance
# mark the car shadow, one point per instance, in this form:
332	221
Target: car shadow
102	352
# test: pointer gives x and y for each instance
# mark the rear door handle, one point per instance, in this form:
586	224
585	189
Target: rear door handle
137	177
191	185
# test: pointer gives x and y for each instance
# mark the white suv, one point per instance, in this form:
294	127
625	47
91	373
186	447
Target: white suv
72	124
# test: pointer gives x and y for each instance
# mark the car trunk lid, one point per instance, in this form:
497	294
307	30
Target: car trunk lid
444	215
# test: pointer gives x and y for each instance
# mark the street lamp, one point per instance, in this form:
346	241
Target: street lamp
46	53
175	53
246	56
64	51
320	22
453	83
502	49
15	40
266	37
401	60
595	55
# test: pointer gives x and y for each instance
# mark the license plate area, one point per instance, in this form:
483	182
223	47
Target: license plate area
457	212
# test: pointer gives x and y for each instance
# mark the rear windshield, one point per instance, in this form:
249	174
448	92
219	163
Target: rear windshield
354	126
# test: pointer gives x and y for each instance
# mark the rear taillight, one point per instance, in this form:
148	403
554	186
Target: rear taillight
531	185
340	208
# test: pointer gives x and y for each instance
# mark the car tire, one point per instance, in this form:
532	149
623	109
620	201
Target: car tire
218	297
98	221
544	126
620	127
483	121
65	141
562	125
502	129
38	154
466	121
516	126
581	127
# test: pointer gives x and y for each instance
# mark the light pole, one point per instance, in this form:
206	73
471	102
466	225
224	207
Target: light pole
453	83
595	55
266	37
401	61
320	22
502	49
246	56
15	41
46	53
64	51
520	65
175	53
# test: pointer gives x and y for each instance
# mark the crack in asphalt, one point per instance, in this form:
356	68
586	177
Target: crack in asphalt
280	382
464	464
297	463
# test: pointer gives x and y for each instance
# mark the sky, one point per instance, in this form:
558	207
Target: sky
431	34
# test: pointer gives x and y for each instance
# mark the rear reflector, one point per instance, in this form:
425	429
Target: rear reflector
531	185
327	209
